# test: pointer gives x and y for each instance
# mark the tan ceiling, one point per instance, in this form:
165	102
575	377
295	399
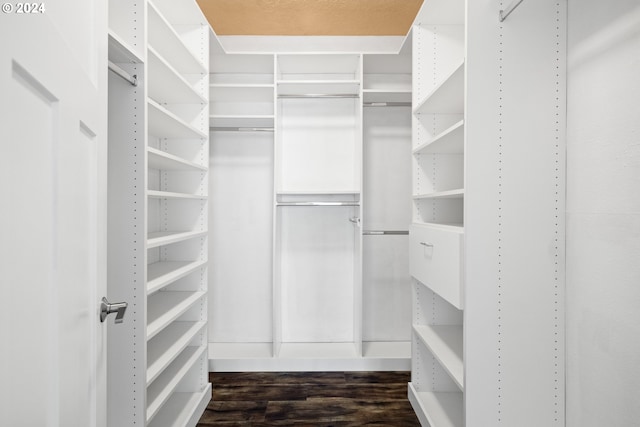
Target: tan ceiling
310	17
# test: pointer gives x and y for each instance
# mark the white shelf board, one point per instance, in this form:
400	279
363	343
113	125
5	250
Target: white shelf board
182	409
241	93
386	96
163	273
159	238
447	97
166	85
164	124
241	85
248	121
437	409
120	52
450	194
162	35
318	87
316	192
161	160
166	346
449	141
164	307
161	389
155	194
317	350
445	343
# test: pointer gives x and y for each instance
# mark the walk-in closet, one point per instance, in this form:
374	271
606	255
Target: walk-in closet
320	212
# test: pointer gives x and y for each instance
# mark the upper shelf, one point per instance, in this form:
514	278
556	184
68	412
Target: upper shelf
318	87
120	52
449	141
447	97
166	85
239	93
164	124
170	45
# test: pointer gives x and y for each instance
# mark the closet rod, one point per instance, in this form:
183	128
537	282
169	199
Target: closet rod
318	204
506	12
320	95
385	232
122	73
387	104
240	129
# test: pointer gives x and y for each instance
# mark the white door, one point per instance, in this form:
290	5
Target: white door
53	73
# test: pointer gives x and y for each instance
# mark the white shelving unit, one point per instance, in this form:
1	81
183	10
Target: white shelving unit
287	163
317	208
158	198
436	248
486	237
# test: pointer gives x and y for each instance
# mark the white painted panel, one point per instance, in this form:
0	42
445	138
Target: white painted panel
386	288
318	145
387	177
317	273
241	208
514	226
603	220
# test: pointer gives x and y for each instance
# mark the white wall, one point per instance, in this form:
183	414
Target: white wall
603	214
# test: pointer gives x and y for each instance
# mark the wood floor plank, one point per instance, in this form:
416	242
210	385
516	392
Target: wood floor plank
233	411
314	399
377	391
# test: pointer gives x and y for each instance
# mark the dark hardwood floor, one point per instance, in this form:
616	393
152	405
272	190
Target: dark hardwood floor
301	399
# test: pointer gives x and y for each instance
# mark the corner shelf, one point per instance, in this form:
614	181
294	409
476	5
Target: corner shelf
447	97
449	141
445	343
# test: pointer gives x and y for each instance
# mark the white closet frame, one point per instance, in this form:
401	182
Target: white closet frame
487	241
293	77
158	191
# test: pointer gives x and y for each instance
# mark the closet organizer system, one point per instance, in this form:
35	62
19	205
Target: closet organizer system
310	206
486	242
157	194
